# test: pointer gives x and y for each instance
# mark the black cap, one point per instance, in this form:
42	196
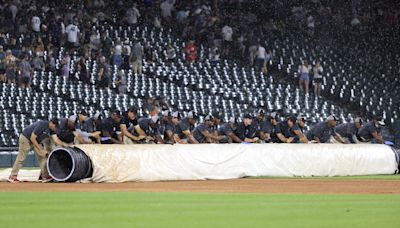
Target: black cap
261	112
216	115
247	116
292	118
133	109
54	121
83	112
117	113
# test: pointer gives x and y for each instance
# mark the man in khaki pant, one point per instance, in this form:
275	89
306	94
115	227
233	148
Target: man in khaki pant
33	137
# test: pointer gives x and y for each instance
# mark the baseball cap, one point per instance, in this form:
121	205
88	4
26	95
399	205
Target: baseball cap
166	113
176	114
54	121
191	115
72	118
380	121
132	109
332	117
292	118
208	118
260	112
97	115
117	113
233	120
216	115
83	112
274	115
247	116
302	118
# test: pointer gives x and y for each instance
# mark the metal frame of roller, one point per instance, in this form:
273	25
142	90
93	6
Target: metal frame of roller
122	163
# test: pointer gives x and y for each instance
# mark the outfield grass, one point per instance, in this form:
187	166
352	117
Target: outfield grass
129	209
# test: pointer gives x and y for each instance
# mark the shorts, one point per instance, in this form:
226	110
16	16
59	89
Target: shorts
305	77
26	80
317	80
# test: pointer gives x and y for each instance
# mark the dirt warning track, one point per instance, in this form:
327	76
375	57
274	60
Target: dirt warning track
301	186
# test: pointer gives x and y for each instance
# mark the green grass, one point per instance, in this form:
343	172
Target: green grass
129	209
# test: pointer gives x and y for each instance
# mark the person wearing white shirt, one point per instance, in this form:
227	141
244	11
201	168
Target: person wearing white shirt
318	79
36	23
227	33
304	79
72	35
166	8
260	54
132	15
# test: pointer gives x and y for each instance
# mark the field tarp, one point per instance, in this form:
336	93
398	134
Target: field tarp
121	163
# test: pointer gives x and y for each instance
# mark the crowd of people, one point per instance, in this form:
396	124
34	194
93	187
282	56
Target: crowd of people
172	127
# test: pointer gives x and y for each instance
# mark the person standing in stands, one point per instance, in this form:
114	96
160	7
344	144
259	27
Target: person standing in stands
324	132
202	131
72	35
317	79
184	130
110	130
371	132
349	131
128	121
2	64
245	131
136	58
26	72
304	80
260	61
32	137
191	52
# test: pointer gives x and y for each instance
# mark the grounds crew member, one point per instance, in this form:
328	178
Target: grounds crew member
270	128
167	127
110	131
128	121
66	130
246	131
33	137
349	131
288	131
147	129
227	130
371	132
184	130
82	129
202	131
93	125
324	132
300	123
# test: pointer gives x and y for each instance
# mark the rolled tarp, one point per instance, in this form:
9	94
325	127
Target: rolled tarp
122	163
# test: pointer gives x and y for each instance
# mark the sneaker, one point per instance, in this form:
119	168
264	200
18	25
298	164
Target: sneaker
13	179
47	179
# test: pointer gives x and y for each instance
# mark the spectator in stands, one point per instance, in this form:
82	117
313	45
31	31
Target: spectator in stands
184	130
325	132
32	137
106	44
72	31
94	44
349	131
191	51
170	53
122	82
126	53
117	55
26	72
227	41
11	72
137	58
2	64
35	24
371	132
318	79
104	75
132	15
65	63
149	54
166	8
304	79
260	62
214	55
38	63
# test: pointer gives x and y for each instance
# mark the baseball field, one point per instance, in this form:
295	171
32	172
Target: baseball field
372	201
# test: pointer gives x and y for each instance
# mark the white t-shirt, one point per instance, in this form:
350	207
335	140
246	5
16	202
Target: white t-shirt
118	49
72	31
261	52
304	70
14	11
132	15
36	23
166	9
227	33
318	72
